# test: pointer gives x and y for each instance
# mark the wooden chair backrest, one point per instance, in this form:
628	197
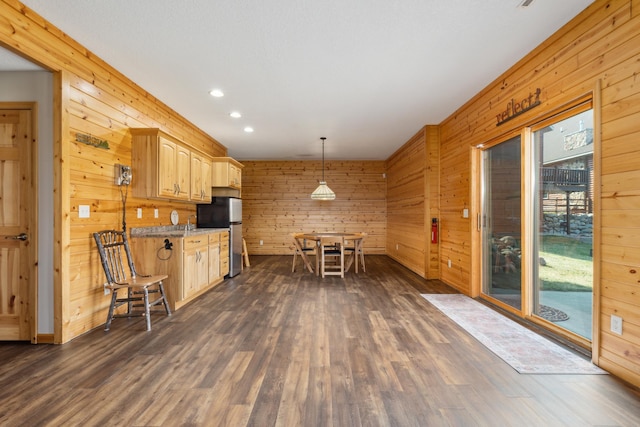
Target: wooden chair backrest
115	255
329	241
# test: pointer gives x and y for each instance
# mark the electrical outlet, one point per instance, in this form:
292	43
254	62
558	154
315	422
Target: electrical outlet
84	211
449	263
616	324
397	246
465	213
261	242
107	291
155	213
139	212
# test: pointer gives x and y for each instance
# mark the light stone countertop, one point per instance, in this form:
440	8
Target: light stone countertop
172	231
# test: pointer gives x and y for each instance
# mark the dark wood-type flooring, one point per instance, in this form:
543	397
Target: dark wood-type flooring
272	348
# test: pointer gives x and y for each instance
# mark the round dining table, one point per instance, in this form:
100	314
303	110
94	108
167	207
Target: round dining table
356	238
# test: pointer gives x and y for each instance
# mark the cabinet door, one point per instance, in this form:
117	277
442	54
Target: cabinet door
214	262
183	175
234	175
207	165
200	178
167	154
195	271
203	268
196	177
189	272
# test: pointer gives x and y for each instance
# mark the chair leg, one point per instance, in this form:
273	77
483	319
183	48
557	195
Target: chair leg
164	299
147	312
293	266
355	260
114	297
130	295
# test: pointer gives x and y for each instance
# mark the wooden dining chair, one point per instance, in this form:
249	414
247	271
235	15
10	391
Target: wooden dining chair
117	263
303	249
332	256
355	247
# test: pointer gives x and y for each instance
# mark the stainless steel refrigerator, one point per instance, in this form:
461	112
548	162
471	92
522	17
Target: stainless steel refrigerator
225	212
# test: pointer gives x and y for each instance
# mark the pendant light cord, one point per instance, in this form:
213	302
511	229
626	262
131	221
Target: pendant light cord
323	138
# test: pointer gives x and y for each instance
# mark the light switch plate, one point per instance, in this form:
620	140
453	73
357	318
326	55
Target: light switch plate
465	213
84	211
616	324
155	213
139	212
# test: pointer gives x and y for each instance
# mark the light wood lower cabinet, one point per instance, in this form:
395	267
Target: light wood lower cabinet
194	265
195	262
214	256
224	253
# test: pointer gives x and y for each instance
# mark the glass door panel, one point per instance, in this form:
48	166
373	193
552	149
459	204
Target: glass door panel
563	225
501	217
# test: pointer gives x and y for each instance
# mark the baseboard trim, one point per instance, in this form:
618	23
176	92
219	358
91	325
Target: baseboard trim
45	339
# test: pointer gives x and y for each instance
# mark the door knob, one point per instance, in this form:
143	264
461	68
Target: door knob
21	236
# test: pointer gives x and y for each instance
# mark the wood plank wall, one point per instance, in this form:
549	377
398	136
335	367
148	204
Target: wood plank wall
95	99
412	200
276	202
601	44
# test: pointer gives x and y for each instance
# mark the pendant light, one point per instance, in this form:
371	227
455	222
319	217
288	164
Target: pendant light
323	192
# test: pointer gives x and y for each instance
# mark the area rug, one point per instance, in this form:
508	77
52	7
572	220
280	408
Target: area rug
549	313
523	349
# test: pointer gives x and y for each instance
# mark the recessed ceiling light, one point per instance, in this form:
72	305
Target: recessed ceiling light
248	129
235	114
216	93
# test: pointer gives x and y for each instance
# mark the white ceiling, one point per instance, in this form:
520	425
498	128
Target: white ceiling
366	74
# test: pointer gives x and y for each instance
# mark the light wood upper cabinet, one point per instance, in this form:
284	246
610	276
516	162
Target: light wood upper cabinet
174	169
227	172
200	178
163	168
183	172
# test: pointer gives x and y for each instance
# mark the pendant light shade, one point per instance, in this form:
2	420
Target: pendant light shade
323	192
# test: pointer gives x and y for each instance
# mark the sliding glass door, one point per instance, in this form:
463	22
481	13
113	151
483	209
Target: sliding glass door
563	224
537	222
502	221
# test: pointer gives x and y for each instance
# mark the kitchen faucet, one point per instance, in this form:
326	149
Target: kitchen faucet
189	222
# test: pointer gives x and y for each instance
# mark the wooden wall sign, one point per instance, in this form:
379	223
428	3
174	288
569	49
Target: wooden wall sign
92	140
514	108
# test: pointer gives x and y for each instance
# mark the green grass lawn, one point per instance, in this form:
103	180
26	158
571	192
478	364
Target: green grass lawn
569	264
